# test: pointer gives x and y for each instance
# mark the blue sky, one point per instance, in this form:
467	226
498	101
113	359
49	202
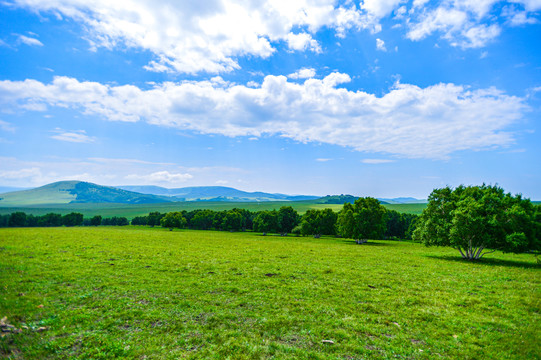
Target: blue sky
380	98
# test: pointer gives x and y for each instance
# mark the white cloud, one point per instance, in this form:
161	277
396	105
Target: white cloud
323	160
160	177
7	127
29	41
304	73
196	36
376	161
302	42
22	174
408	121
380	45
468	23
380	8
76	136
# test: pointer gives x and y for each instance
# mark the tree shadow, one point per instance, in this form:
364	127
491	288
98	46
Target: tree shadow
489	262
369	243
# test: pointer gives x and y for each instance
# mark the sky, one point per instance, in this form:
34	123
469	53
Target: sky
382	98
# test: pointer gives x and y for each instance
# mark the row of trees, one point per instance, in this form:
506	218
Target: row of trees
388	223
21	219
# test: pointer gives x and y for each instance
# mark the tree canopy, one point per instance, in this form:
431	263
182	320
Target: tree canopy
362	220
477	220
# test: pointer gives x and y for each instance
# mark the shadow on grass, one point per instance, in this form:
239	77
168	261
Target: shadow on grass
369	243
489	262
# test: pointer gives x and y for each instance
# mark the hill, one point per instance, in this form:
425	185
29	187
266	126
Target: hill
214	193
70	192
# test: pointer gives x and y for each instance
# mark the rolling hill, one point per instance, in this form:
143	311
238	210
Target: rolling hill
215	193
66	192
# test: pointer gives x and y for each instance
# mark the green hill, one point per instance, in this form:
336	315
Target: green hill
69	192
215	193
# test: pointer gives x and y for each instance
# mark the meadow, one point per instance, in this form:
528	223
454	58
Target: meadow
149	293
132	210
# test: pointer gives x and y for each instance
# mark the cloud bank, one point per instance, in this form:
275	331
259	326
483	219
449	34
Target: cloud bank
408	121
209	36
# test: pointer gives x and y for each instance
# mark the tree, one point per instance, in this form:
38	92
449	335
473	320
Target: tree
17	219
266	221
319	222
202	220
139	220
50	219
96	220
365	219
154	218
287	219
233	220
478	220
72	219
173	220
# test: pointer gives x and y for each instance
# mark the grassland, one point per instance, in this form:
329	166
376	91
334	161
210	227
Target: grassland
132	210
141	293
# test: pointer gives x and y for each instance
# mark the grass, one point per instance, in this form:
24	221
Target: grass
132	210
141	293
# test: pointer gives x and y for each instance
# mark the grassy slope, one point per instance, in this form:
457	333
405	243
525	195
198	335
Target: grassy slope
130	211
149	293
65	192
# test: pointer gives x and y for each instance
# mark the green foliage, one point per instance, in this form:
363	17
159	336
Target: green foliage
173	220
72	219
96	220
51	219
17	219
399	225
365	219
288	218
319	222
477	220
154	218
266	222
140	220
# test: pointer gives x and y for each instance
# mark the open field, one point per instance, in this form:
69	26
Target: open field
142	293
131	211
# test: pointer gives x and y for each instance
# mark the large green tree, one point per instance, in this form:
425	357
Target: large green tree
266	221
318	222
365	219
173	220
288	218
477	220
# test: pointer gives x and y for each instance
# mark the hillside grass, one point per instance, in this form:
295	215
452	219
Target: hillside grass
132	210
142	293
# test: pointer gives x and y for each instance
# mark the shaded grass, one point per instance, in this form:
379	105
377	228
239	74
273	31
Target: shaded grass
143	293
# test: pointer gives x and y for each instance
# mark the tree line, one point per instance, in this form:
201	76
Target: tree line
286	220
475	220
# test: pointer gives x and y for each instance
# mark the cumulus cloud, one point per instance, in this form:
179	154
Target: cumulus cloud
76	136
29	41
304	73
160	177
468	23
192	36
380	45
408	120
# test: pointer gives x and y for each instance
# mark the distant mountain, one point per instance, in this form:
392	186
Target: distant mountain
214	193
65	192
5	189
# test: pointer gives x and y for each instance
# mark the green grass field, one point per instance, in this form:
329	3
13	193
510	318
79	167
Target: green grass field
142	293
130	211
